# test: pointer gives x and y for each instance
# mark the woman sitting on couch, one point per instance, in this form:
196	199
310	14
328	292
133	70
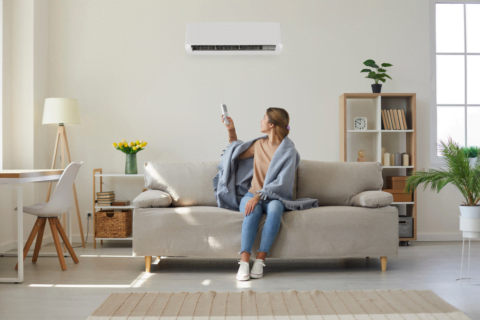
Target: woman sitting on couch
275	124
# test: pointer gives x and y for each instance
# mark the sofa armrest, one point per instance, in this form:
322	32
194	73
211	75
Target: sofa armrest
372	199
152	198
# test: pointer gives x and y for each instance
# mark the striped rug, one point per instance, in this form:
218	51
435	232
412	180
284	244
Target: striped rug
279	305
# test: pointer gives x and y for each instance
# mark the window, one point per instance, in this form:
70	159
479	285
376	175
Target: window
455	68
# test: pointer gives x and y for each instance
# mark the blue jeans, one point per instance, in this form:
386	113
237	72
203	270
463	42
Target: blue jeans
274	209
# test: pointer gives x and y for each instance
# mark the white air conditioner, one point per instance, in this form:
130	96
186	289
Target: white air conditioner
233	38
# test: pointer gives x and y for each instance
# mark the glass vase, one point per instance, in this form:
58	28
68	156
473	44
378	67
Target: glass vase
131	163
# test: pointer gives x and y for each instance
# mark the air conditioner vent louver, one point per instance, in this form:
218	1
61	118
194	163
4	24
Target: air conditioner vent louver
233	38
233	48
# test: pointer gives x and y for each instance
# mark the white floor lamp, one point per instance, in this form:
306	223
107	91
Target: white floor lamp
62	111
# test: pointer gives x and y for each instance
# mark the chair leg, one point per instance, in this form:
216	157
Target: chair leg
148	263
383	262
32	235
65	240
56	240
38	244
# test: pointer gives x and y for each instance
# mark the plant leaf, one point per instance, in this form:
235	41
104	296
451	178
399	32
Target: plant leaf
387	65
369	63
366	70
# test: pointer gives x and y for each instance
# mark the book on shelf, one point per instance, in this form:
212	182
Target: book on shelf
404	119
392	120
104	204
389	119
121	203
384	120
400	119
105	193
106	197
395	115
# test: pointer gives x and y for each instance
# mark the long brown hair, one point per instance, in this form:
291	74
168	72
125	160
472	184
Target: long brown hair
280	118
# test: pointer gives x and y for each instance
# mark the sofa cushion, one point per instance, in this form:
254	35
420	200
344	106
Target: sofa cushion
336	183
188	183
322	232
152	199
372	199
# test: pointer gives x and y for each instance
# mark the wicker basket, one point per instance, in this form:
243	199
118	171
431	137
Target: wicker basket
113	223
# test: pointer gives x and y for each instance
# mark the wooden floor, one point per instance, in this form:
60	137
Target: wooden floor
50	293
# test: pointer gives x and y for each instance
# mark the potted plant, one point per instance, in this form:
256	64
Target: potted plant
131	152
463	175
471	153
377	76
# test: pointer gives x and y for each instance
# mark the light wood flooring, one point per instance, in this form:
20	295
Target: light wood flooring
50	293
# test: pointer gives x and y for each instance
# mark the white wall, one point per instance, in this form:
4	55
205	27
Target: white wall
125	61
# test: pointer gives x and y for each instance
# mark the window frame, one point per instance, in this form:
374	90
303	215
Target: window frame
1	84
436	160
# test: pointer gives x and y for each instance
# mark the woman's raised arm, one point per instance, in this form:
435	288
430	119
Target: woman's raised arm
232	136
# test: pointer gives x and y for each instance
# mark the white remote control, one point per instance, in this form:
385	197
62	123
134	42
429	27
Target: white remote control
225	114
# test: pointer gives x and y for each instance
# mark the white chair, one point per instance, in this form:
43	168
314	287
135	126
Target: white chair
59	203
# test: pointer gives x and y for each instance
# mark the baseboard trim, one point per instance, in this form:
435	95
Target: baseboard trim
436	236
426	236
13	244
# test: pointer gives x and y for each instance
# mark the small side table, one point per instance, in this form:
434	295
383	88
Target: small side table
99	173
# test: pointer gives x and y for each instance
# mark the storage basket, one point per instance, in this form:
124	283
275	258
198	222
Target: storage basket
397	183
399	196
405	227
113	223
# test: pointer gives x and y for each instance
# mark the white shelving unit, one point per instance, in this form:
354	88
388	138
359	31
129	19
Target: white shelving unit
97	173
372	140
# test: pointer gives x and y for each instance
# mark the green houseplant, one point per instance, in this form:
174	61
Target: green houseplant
380	75
462	174
471	152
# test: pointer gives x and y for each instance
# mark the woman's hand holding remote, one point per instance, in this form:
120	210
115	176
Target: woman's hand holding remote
229	126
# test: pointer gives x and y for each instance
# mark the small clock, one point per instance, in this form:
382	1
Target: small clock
360	123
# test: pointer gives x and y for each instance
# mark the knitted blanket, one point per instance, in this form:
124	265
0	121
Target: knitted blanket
235	175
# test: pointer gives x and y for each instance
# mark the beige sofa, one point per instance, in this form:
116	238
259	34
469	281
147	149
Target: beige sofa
345	225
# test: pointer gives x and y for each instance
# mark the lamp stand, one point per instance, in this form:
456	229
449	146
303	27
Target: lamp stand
62	137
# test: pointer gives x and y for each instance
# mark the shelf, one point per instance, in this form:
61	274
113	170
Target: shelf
129	238
119	175
398	167
115	207
372	141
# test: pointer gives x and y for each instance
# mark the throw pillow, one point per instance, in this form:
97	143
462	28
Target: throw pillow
152	199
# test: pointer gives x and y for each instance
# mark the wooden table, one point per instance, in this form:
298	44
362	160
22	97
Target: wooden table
11	179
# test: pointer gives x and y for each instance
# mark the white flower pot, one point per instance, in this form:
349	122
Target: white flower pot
472	161
470	221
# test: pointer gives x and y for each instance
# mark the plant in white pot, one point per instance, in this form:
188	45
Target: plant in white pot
462	174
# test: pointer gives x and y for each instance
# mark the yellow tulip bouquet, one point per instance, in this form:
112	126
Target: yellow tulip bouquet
131	152
134	147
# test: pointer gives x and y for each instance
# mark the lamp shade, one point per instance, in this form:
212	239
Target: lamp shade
61	110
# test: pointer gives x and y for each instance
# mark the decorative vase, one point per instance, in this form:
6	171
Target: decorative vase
131	163
376	87
470	221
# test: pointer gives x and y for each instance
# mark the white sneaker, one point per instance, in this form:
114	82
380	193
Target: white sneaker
257	269
243	271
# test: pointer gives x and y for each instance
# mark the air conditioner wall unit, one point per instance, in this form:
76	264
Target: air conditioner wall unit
233	38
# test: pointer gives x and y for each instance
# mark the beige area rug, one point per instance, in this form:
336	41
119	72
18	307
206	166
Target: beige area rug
279	305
